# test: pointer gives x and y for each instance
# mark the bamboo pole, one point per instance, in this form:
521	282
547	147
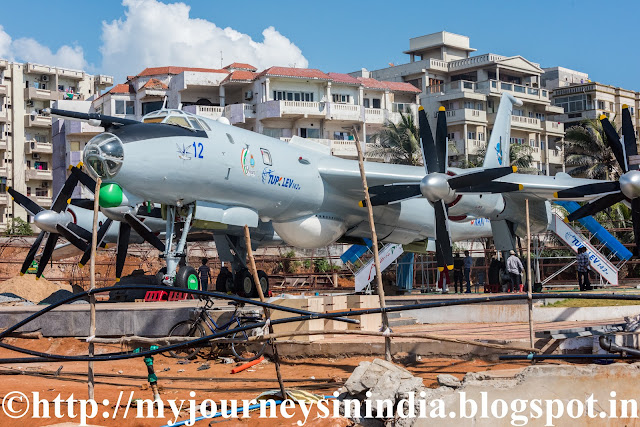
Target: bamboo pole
374	240
92	285
267	313
529	290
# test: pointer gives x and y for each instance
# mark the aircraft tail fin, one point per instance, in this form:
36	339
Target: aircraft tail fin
497	154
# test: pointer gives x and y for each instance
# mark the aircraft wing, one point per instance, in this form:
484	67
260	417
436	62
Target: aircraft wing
544	187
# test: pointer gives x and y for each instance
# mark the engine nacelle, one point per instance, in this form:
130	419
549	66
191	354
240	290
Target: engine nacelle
313	231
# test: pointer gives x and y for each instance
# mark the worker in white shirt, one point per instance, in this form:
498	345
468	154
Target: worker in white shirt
515	269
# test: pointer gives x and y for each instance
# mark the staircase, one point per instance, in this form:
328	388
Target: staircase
574	239
365	275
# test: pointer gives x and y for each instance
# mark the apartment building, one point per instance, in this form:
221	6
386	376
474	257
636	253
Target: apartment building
281	102
26	151
583	99
470	86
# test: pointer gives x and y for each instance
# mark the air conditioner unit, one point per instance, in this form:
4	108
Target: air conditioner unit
44	78
248	95
35	156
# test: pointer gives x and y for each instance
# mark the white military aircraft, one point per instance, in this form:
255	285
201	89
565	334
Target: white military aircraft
209	175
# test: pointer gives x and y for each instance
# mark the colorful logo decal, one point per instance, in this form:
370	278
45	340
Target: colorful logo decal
183	152
270	178
499	150
247	162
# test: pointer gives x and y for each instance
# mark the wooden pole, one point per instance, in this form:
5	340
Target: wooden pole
374	240
92	285
267	313
529	290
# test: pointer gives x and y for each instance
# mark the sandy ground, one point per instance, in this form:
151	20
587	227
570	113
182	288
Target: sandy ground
176	381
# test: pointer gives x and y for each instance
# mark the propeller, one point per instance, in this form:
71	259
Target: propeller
438	186
53	222
625	151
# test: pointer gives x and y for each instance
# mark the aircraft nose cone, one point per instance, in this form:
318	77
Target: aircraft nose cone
435	187
630	184
47	220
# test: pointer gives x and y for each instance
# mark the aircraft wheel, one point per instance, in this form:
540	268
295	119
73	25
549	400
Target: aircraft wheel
187	278
264	284
160	276
244	284
224	281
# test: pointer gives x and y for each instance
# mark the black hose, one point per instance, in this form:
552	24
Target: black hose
564	356
310	316
609	345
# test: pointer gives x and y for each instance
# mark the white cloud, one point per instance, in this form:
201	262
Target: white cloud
156	34
29	50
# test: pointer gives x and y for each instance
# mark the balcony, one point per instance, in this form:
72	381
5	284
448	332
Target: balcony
344	149
3	118
4	199
210	112
374	116
463	115
555	156
239	113
4	171
3	64
4	90
41	94
44	201
38	175
475	146
490	87
348	112
290	109
3	142
37	121
475	61
39	69
71	74
554	127
104	80
33	146
529	123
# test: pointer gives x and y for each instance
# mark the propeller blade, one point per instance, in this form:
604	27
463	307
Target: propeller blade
635	216
82	203
79	231
631	149
99	238
429	155
588	190
596	206
144	231
65	194
123	246
28	204
385	194
441	141
479	177
71	237
492	187
614	142
443	238
84	179
47	252
31	255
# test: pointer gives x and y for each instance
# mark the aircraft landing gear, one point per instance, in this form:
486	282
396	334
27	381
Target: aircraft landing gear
187	278
245	285
232	251
224	281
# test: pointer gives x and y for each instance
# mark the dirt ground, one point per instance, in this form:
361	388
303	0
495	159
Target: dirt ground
176	380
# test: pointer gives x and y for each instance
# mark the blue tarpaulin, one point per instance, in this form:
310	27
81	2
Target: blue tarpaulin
404	272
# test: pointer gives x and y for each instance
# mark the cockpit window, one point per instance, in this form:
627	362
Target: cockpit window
154	119
176	120
176	117
195	124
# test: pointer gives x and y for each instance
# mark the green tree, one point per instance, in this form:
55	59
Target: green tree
18	227
519	155
398	143
587	151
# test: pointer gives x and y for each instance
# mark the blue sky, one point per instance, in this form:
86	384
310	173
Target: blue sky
601	40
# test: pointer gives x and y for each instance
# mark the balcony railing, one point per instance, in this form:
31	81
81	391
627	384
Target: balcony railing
4	90
41	94
3	142
38	147
526	122
4	117
38	174
4	199
239	113
210	111
465	114
275	109
344	111
490	86
37	121
553	127
105	80
4	171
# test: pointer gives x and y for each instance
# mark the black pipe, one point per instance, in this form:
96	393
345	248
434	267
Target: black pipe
609	345
564	356
311	316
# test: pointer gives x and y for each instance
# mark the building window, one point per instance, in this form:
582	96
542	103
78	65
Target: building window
517	112
451	136
575	103
341	98
471	135
519	141
3	184
149	107
342	136
401	107
366	102
480	136
540	116
127	107
310	133
376	102
469	104
283	95
273	132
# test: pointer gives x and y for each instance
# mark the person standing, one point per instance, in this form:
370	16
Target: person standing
515	269
467	264
458	266
205	275
583	267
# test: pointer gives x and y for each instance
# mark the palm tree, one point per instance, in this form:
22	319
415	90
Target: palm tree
519	155
588	151
398	143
